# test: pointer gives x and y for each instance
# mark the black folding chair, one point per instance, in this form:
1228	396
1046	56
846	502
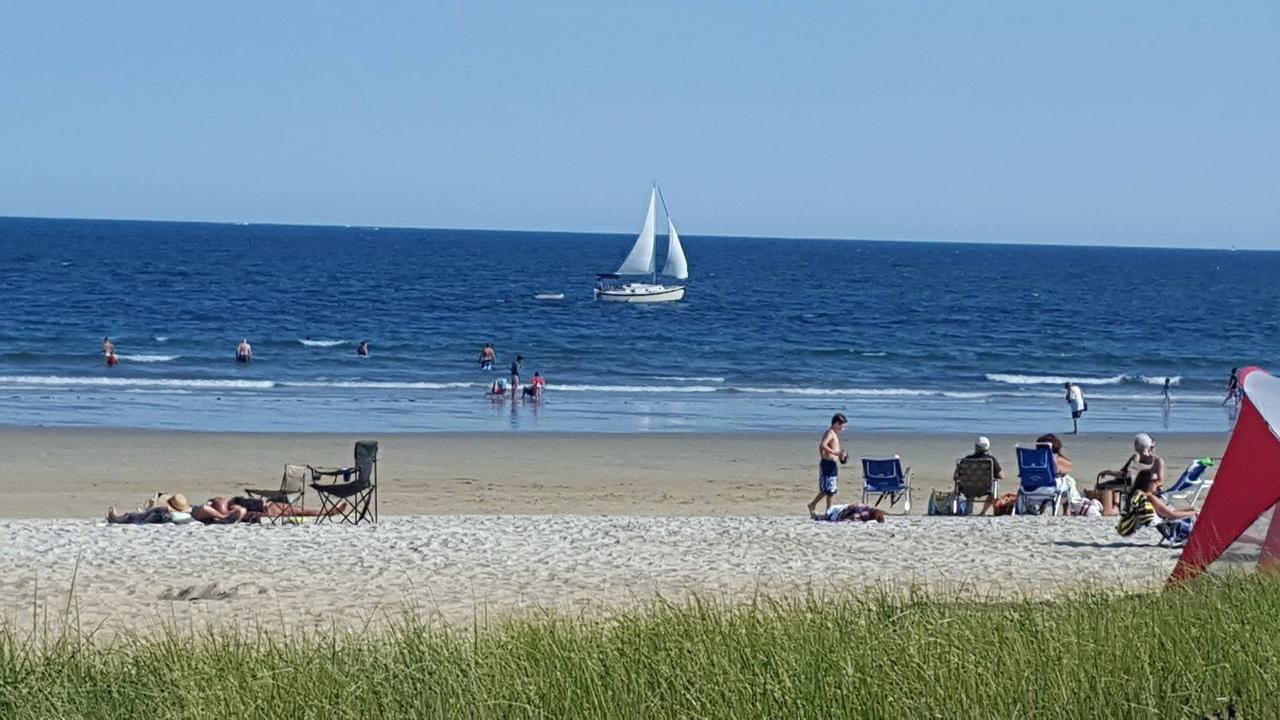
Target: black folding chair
355	498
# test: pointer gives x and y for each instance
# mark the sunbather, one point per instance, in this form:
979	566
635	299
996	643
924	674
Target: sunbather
219	511
851	512
159	508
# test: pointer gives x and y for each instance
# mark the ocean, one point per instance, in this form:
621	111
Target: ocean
774	334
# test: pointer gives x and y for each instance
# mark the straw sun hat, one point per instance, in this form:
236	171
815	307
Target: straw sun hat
178	502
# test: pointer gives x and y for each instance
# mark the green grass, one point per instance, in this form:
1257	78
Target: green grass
1168	655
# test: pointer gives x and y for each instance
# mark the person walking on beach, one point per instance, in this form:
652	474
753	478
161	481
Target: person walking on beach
1075	398
830	457
244	351
109	348
487	357
515	372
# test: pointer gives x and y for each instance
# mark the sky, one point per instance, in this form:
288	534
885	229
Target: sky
1133	123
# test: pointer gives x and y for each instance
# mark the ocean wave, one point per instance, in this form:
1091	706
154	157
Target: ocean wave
322	343
864	392
1011	379
690	378
66	381
1159	380
149	358
162	338
381	385
675	389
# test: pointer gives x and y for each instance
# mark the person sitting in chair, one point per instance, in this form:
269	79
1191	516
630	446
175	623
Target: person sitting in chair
982	451
1119	481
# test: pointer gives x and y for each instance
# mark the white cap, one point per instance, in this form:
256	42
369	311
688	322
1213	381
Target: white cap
1143	441
982	442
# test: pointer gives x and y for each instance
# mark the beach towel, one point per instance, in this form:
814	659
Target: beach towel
1141	513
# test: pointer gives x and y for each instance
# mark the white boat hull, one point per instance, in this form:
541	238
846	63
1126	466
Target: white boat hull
640	293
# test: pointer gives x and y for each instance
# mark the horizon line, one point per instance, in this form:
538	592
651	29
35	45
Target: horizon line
918	241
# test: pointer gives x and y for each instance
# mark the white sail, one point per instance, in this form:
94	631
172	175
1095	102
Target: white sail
640	260
676	266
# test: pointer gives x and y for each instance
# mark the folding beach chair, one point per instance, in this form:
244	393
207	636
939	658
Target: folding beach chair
1037	480
355	498
1191	484
293	487
975	479
886	478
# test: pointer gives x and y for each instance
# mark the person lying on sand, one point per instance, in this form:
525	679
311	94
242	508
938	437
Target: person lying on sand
159	508
851	513
220	510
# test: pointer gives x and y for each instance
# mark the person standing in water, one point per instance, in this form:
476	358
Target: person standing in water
244	351
108	347
1075	398
515	373
487	357
830	457
363	350
1168	399
1233	387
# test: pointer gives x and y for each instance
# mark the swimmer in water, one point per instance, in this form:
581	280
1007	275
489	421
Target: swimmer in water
363	350
487	357
244	351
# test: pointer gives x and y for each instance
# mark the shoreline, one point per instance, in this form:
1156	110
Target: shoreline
78	472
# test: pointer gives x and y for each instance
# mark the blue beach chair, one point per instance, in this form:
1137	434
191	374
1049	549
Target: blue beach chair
1191	484
1037	480
886	478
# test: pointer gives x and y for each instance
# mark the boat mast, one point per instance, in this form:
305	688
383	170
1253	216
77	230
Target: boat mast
654	279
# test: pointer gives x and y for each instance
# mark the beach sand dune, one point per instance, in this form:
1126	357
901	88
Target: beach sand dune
457	569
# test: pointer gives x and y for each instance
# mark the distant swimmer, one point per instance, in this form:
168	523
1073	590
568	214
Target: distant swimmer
108	347
1075	398
112	360
1168	400
498	389
363	350
487	357
244	351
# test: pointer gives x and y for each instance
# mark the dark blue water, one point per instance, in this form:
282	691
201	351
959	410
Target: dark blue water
773	335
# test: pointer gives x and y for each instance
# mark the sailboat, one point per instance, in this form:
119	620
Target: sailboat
640	261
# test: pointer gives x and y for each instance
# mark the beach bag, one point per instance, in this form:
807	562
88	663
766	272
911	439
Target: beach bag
1004	504
942	503
1088	507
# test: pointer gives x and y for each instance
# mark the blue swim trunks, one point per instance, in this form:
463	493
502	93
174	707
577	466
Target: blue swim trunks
828	474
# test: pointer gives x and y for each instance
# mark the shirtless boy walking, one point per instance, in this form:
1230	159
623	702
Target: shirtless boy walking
830	457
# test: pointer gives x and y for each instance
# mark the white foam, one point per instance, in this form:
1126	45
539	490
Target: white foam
149	358
65	381
162	338
864	392
1159	380
635	388
690	378
1054	379
322	343
379	385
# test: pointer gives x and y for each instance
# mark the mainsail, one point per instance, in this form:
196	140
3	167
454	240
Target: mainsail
640	260
676	266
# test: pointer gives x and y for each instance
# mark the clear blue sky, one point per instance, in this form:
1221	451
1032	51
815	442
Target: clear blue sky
1148	123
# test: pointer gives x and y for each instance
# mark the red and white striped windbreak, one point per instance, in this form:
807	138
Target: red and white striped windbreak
1239	524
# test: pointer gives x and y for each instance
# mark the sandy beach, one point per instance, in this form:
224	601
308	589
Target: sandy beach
494	525
77	473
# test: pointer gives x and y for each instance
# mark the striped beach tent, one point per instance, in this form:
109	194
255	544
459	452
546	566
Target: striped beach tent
1239	525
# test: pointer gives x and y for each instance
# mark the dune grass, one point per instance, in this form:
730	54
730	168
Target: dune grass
1170	654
